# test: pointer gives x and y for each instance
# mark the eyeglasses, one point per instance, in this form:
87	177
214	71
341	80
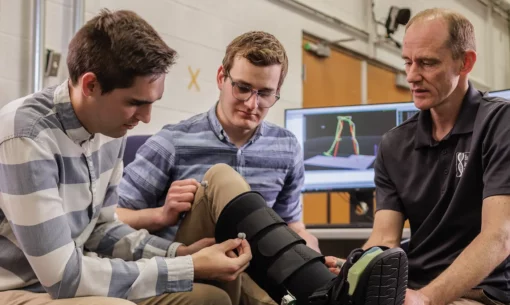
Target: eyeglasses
265	98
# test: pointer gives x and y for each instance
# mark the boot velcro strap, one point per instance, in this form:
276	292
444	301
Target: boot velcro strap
276	240
290	261
257	221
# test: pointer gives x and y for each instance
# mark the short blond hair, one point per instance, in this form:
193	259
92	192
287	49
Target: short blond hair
461	33
260	49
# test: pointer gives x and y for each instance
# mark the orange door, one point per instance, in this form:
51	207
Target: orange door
331	81
336	81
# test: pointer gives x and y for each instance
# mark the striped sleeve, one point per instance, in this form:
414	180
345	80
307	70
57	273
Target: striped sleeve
116	239
288	204
30	200
148	177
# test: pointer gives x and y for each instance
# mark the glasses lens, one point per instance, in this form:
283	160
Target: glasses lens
241	92
267	101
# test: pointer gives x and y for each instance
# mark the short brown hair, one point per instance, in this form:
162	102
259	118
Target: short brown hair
117	47
260	49
460	29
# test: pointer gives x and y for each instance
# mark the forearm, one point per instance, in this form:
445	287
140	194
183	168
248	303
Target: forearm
131	280
474	264
310	239
148	219
381	240
387	230
116	239
65	272
300	229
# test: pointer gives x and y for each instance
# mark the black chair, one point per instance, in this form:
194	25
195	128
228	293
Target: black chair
132	145
405	244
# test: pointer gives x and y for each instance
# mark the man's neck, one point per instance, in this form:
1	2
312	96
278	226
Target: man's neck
445	115
237	136
79	107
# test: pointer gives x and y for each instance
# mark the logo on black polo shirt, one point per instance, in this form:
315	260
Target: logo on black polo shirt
462	159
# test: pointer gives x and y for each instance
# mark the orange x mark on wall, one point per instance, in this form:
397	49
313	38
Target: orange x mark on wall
194	76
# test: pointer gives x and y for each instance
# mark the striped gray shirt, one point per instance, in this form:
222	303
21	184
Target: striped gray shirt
58	195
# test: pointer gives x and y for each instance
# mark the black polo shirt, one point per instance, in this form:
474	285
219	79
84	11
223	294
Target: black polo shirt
440	186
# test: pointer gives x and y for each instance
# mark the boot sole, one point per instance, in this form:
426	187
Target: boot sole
384	280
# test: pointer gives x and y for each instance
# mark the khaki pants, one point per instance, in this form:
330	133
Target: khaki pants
201	294
224	184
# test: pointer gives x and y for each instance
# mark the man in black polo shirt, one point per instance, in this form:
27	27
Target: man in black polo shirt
447	170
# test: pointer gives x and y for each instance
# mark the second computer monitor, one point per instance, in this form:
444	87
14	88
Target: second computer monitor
501	93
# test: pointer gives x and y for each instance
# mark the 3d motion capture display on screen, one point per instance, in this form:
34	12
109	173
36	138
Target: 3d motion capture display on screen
340	143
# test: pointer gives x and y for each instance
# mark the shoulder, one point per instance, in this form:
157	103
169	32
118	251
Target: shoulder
493	106
274	130
173	135
29	116
279	137
492	120
188	128
196	123
406	130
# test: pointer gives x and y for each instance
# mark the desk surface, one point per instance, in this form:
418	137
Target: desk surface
348	233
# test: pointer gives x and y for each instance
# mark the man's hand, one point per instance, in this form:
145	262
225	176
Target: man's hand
178	199
183	250
414	297
219	262
334	264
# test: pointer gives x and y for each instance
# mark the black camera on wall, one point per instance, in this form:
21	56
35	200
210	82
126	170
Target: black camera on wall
396	16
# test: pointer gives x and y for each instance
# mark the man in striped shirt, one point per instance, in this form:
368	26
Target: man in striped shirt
60	163
161	182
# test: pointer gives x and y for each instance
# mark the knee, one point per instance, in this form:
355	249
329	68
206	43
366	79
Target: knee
219	297
223	175
220	168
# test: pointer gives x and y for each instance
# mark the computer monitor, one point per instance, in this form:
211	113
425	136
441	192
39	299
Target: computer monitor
501	93
340	143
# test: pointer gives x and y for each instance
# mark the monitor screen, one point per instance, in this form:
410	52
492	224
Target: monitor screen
340	143
501	93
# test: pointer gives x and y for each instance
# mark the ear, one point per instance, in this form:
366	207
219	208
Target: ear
220	77
468	62
89	85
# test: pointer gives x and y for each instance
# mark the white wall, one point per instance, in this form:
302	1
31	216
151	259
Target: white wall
200	30
14	49
492	69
